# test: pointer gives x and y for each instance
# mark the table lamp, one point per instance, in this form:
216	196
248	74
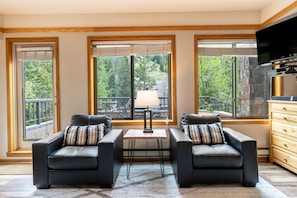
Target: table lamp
145	99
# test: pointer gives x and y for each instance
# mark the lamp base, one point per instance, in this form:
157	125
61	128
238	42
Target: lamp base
148	131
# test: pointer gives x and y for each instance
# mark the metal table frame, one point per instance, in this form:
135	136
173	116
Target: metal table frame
133	134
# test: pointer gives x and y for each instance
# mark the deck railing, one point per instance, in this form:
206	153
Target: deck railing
41	110
120	107
38	111
213	104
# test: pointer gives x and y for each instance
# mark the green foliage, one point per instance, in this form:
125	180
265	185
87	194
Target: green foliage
38	79
162	60
122	72
215	78
144	66
114	74
102	82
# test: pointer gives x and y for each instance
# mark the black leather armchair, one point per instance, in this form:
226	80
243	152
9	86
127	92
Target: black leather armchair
99	164
232	162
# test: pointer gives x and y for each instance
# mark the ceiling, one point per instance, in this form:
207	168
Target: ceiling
37	7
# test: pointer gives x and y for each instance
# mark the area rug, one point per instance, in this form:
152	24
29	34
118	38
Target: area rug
16	169
146	181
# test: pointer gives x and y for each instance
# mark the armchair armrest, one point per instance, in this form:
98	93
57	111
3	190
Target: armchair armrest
40	151
110	156
181	157
248	147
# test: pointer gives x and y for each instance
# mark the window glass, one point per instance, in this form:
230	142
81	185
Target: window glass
114	86
230	82
34	70
124	68
38	98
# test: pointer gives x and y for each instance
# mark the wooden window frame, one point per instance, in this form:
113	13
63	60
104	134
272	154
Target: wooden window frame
12	150
91	78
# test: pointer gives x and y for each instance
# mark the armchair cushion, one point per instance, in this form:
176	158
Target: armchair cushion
199	119
83	120
74	158
205	133
216	156
83	135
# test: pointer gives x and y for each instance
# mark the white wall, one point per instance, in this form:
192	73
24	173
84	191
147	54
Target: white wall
184	73
73	75
146	19
290	85
273	8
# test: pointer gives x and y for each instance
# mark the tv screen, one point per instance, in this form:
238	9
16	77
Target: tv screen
277	41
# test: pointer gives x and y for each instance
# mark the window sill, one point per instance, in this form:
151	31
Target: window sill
246	121
20	153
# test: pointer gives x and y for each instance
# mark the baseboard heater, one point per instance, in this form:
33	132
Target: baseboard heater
263	153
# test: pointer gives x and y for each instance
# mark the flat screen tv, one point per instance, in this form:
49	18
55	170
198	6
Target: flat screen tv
277	41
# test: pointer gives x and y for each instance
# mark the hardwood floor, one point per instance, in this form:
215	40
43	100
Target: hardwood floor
281	178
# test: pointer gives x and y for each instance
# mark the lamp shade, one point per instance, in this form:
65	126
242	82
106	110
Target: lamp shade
146	98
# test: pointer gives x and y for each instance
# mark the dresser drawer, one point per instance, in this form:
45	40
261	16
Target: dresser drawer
284	129
283	108
284	158
283	133
285	118
284	143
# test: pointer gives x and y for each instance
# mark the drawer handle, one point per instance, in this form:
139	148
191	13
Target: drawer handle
285	118
285	145
286	160
284	108
285	130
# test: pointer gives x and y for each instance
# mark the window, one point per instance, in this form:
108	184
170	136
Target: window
32	81
230	81
124	65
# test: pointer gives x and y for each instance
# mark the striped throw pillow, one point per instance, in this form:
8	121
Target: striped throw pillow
83	135
205	133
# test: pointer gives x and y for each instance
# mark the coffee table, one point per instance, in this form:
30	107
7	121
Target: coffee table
133	134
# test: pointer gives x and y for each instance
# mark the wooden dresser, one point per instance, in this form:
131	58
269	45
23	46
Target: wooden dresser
283	133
